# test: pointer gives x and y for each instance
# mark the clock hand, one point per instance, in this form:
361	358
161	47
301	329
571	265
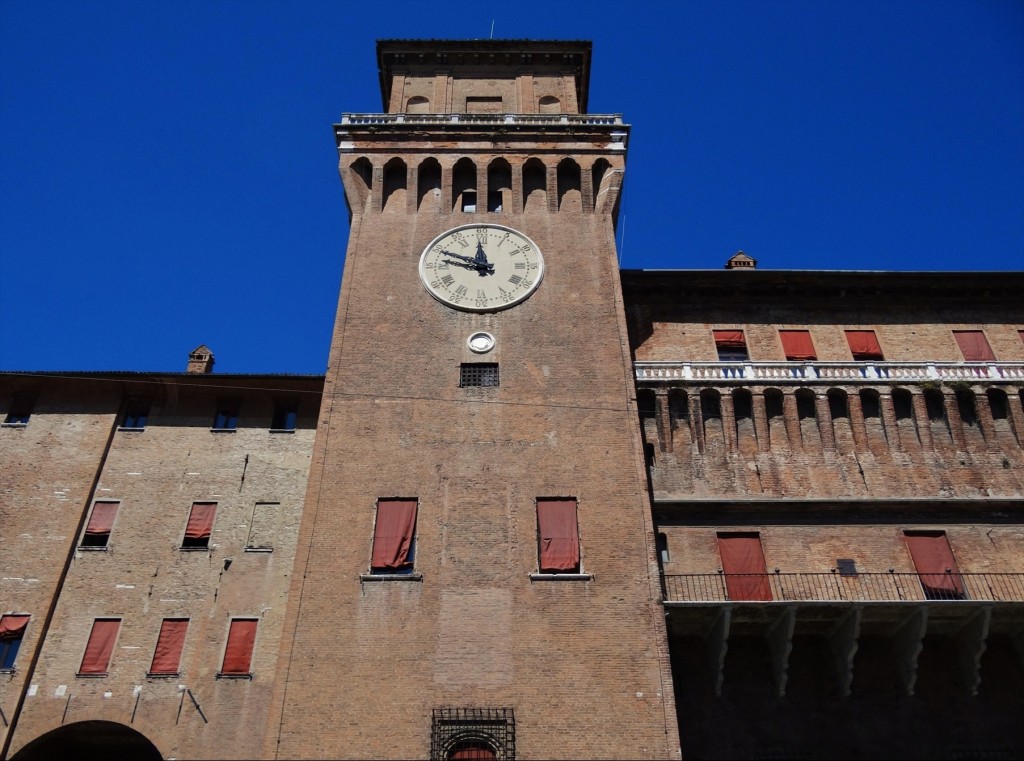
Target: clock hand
484	267
465	265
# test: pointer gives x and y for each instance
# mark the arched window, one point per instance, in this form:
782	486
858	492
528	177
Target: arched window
464	186
935	403
549	104
569	194
395	179
535	185
499	186
428	189
418	105
742	404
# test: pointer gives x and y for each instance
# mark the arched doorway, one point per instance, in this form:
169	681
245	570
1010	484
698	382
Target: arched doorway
90	741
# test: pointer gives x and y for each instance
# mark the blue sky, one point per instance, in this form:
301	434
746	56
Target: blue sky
168	173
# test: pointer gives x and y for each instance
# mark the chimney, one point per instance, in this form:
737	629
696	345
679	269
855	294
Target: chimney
200	360
740	261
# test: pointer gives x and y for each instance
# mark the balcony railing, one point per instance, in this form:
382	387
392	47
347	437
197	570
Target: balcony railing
836	587
841	372
533	120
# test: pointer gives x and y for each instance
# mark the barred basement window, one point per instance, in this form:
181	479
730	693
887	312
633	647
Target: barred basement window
477	733
478	374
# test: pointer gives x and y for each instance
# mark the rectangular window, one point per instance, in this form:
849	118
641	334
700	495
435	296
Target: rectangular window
226	418
394	536
478	374
797	345
935	565
200	525
101	523
974	346
558	536
21	409
864	345
238	651
100	646
286	413
12	632
169	646
731	346
136	414
264	526
746	577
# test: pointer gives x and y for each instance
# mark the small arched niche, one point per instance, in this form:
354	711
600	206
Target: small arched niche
549	104
499	186
428	185
361	172
417	104
464	186
395	179
535	185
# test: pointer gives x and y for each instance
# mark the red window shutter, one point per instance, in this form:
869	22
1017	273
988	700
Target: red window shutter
746	577
169	645
559	535
238	653
797	344
392	534
200	520
102	519
100	646
974	346
13	626
935	564
864	345
730	339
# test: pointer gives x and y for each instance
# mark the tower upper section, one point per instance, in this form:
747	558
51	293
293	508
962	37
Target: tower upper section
484	76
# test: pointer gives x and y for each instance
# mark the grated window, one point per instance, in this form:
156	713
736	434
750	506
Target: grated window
473	733
478	374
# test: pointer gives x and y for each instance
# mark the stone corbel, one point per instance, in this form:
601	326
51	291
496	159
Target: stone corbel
843	641
717	644
780	645
971	642
908	641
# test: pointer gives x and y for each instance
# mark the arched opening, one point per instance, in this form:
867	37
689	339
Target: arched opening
549	104
805	404
90	741
807	415
968	409
999	404
535	185
839	413
395	178
838	404
428	185
417	104
464	186
499	186
935	405
599	173
647	406
471	750
570	197
743	412
902	404
870	404
678	408
362	179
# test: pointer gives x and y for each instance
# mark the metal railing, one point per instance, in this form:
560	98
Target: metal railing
589	120
835	587
783	372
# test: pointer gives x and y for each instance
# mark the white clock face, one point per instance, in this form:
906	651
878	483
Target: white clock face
481	268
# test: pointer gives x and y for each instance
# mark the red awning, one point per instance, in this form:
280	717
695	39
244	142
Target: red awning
13	626
559	535
200	520
169	645
974	346
238	653
864	345
102	519
100	647
730	339
392	535
797	344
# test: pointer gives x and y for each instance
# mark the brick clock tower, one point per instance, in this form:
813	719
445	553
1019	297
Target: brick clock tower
476	574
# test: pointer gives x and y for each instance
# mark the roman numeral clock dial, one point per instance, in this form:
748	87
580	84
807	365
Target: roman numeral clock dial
481	268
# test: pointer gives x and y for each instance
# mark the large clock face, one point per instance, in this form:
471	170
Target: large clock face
481	268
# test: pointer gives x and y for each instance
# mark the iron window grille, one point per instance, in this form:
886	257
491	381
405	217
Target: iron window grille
478	374
458	729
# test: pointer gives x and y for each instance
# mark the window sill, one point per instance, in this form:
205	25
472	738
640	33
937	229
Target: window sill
194	549
223	430
11	670
391	577
222	675
282	430
89	548
91	676
561	576
258	549
130	428
175	675
13	425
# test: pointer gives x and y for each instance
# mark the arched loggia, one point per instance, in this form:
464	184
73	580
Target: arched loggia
90	741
